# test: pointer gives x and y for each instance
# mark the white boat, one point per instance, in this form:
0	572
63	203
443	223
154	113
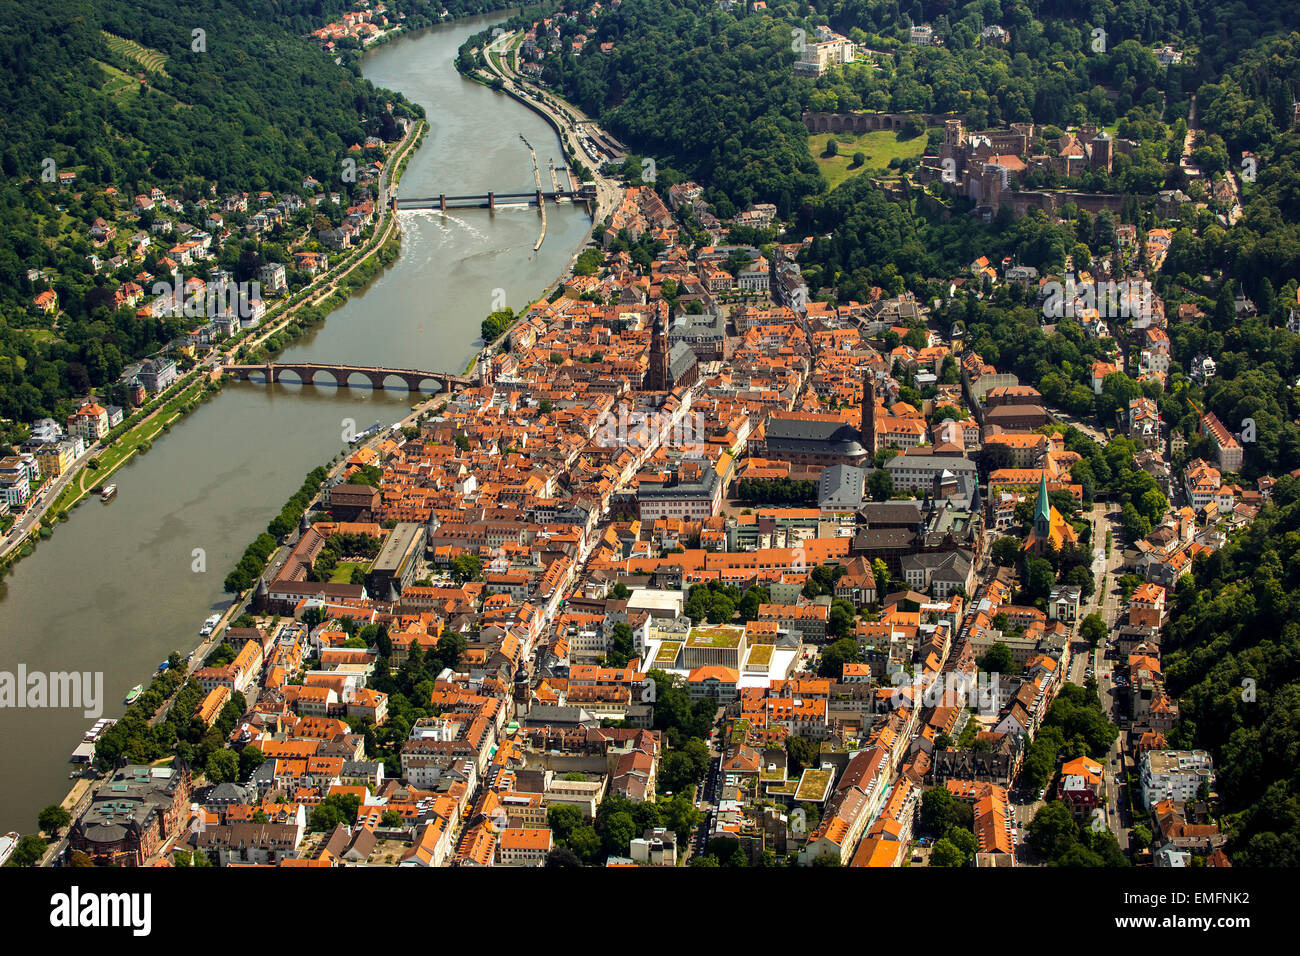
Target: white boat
209	625
109	492
97	731
8	843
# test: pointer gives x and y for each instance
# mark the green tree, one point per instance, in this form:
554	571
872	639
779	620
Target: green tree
563	819
964	840
679	814
727	851
1140	837
585	842
1006	551
333	810
53	819
880	485
944	853
802	753
1039	578
834	656
619	831
880	571
997	659
222	767
938	810
620	646
466	567
1053	831
1093	629
28	852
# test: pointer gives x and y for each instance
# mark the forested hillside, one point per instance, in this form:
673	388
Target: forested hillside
1232	654
128	96
702	92
714	96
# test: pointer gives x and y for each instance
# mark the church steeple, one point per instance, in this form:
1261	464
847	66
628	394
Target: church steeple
869	410
1043	511
656	373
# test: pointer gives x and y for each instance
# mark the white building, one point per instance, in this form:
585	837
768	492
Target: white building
1174	775
523	846
273	278
657	848
917	472
829	51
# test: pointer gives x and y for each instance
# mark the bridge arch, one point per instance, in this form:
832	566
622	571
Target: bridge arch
298	375
343	376
384	379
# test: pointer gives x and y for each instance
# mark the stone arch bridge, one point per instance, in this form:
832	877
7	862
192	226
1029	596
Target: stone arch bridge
306	373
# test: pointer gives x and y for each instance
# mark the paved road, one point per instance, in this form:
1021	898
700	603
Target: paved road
1109	603
1106	517
1114	783
36	506
1065	418
609	192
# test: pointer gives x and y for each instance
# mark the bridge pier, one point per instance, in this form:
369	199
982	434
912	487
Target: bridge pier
539	199
442	201
492	202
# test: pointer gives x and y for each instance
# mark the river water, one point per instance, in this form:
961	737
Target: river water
114	590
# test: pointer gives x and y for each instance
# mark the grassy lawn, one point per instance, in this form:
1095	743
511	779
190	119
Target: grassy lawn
43	336
879	147
115	456
117	81
342	573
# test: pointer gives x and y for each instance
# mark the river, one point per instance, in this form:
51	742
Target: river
113	590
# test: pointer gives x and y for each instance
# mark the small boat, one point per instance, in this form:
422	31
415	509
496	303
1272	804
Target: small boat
134	694
109	492
97	731
8	843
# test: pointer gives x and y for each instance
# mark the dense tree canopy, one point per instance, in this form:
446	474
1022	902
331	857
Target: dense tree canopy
125	95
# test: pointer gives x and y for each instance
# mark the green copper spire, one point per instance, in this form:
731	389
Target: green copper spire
1043	512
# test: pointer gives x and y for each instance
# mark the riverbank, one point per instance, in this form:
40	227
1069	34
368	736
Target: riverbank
218	478
564	119
202	382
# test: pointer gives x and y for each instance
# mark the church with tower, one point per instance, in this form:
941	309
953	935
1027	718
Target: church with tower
668	367
1050	530
869	411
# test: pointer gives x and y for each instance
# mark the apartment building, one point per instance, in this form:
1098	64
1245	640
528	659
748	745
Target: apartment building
1174	775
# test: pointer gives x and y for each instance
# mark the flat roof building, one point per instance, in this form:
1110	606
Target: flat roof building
398	559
